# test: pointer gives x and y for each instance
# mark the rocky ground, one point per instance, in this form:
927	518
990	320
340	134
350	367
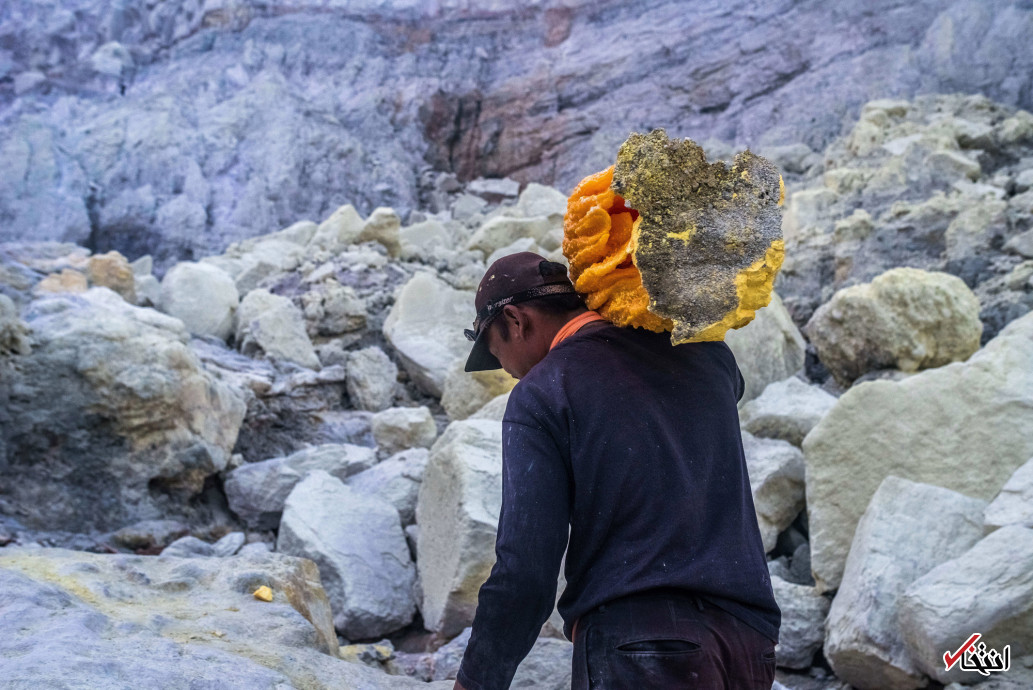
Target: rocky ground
291	414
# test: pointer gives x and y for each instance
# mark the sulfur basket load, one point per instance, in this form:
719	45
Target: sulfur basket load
667	241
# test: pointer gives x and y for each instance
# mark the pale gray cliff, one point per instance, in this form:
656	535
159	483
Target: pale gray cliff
176	127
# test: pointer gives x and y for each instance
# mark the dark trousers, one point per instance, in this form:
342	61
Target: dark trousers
669	639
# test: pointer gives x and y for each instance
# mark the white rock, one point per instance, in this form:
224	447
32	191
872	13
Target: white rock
467	207
265	259
396	480
358	544
143	266
424	241
493	187
524	244
202	296
541	200
803	623
256	547
332	309
767	349
188	547
922	429
786	410
257	491
494	410
907	530
148	291
342	228
382	226
425	326
466	392
906	318
274	325
989	590
1021	244
228	545
502	231
401	428
1014	504
372	377
300	233
458	512
776	470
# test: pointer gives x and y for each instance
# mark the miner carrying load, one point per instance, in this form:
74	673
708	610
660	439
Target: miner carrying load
623	427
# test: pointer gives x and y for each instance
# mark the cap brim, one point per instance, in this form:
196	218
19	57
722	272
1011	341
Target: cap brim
480	358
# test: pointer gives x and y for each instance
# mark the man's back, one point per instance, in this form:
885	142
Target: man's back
659	494
635	445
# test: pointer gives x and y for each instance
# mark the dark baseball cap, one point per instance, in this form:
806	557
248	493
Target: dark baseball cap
510	280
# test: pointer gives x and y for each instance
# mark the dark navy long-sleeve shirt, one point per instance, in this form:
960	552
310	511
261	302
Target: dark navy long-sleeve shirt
635	445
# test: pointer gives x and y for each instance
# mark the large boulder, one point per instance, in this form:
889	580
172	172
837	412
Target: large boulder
425	240
987	590
926	428
906	319
458	513
257	491
333	309
907	530
82	620
396	480
271	324
382	226
1014	504
425	326
371	381
112	270
358	544
466	392
803	622
786	410
202	296
767	349
400	428
776	470
111	419
341	228
501	231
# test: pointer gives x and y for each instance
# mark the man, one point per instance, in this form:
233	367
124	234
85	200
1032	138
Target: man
635	445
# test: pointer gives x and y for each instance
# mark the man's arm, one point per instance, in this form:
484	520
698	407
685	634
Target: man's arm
520	593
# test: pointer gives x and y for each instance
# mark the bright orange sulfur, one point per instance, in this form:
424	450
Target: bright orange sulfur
598	243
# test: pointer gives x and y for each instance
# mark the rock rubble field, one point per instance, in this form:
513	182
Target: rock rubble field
265	467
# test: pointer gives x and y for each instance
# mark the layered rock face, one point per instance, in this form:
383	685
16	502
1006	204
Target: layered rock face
139	427
255	117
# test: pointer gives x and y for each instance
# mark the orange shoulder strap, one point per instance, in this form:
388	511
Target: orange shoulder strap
574	325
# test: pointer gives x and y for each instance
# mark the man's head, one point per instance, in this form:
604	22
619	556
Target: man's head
522	301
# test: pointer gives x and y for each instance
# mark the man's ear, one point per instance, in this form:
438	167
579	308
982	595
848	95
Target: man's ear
516	319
